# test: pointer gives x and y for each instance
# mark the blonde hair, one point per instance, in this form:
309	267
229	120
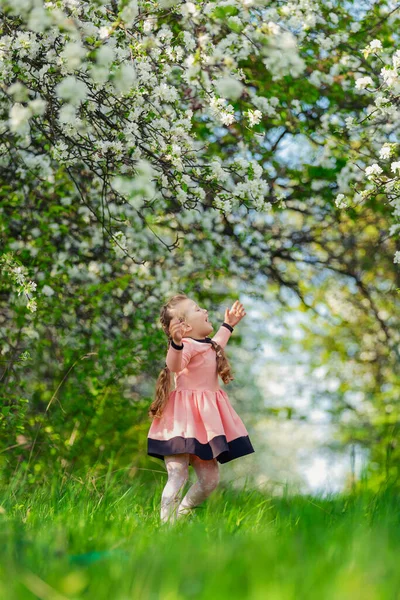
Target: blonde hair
163	383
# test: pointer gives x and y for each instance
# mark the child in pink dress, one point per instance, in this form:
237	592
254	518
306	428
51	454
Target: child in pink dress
195	424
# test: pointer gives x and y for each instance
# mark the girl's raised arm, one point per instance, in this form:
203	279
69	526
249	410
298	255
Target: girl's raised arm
223	334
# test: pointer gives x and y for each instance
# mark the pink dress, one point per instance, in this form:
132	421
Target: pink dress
198	417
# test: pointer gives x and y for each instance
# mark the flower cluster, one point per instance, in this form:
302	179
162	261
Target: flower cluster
18	275
383	172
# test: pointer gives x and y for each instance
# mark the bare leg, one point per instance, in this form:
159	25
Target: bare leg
207	472
178	472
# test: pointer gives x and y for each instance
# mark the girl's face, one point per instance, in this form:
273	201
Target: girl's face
195	317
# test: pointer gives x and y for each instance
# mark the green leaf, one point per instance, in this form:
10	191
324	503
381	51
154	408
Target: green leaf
221	12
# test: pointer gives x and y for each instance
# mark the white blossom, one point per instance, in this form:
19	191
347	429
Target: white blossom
47	290
266	105
340	201
139	187
125	78
218	172
355	26
19	275
282	56
375	45
273	28
350	123
73	54
18	91
228	87
380	102
373	170
30	286
254	117
19	117
39	19
363	82
67	114
129	13
385	151
104	32
166	92
396	59
105	55
222	111
31	305
189	40
390	76
99	75
37	106
72	89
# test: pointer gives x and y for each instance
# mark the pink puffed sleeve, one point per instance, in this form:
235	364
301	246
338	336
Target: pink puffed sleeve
223	334
177	359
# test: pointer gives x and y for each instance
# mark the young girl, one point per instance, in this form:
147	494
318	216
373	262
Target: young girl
194	424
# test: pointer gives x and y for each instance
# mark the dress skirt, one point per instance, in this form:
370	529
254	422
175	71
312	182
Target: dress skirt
200	422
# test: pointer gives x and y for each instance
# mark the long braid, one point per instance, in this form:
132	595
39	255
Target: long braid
223	365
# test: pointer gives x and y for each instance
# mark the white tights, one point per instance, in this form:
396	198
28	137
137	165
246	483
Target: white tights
177	465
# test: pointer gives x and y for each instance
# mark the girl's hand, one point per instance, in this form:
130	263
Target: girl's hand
235	314
177	328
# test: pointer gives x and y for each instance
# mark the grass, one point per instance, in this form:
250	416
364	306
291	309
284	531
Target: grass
78	538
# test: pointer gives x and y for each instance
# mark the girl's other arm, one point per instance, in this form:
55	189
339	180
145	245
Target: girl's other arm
178	356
